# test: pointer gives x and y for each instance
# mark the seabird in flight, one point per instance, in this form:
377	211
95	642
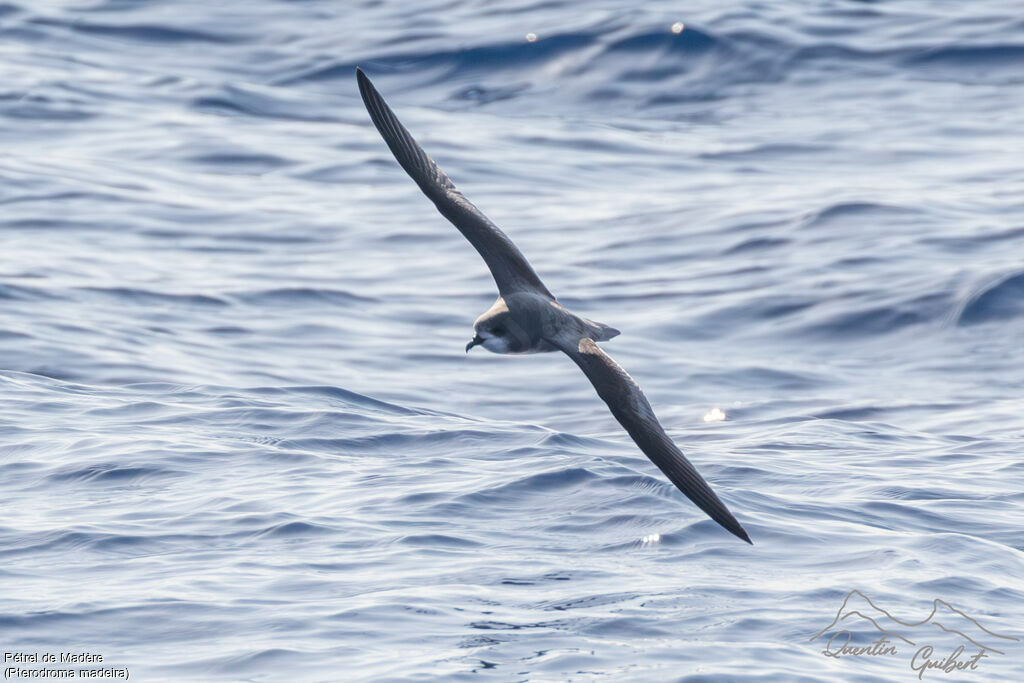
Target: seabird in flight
527	318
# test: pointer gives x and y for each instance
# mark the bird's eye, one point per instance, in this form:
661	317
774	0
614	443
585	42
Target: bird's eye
498	330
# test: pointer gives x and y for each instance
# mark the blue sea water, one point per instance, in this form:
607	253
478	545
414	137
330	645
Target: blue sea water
239	437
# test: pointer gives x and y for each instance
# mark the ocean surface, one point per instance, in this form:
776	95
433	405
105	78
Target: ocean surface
240	439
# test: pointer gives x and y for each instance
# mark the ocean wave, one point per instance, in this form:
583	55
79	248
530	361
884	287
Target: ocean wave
1000	300
141	33
305	296
139	296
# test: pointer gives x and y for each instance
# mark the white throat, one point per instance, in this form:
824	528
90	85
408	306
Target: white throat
495	344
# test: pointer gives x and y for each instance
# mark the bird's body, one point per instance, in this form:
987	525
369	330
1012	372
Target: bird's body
526	318
528	322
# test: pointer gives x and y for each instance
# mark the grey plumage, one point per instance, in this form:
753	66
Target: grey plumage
526	318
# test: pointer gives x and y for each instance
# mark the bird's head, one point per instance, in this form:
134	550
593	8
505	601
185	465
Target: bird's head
494	334
498	331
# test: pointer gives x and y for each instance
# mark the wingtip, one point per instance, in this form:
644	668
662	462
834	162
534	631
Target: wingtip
732	526
366	89
729	523
365	84
740	533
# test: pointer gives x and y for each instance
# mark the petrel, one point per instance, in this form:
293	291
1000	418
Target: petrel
527	318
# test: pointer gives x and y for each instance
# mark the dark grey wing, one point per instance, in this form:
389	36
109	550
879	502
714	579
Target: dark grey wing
511	270
630	407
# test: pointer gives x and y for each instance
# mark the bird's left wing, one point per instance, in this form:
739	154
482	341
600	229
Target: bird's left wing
511	271
631	408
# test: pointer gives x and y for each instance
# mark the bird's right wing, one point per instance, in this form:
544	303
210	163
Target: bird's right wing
630	407
511	270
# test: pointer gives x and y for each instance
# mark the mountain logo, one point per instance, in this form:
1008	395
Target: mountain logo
946	629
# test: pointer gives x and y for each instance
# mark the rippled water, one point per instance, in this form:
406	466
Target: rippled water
239	437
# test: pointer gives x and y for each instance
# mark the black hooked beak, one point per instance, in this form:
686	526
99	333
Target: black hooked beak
475	341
